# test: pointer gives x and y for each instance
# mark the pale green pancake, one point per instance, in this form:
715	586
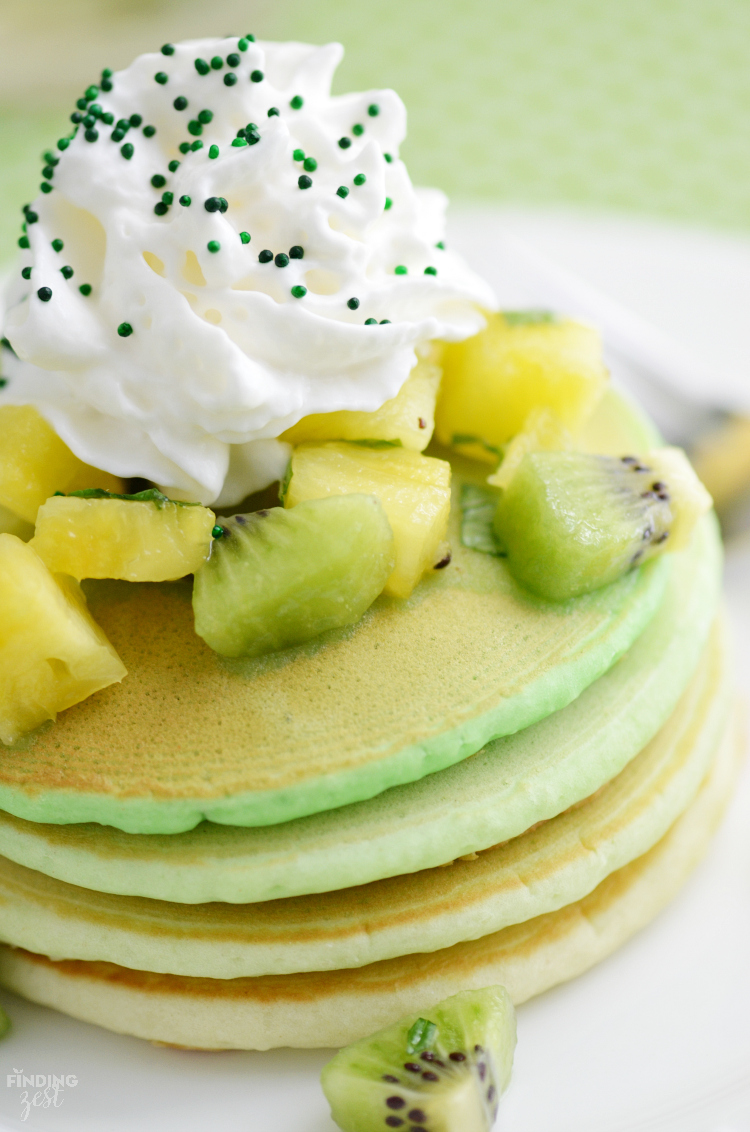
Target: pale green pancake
493	796
415	687
333	1008
535	873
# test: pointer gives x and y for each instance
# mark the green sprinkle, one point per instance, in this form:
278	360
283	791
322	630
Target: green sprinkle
430	271
344	143
85	289
304	181
299	292
158	181
388	203
135	120
124	329
184	147
195	128
67	272
358	129
107	73
161	78
373	110
45	294
26	273
206	117
213	246
196	146
242	44
245	237
108	119
371	322
310	164
63	144
299	155
352	303
401	270
161	209
281	260
173	166
186	201
167	197
421	1036
297	252
213	152
118	135
297	102
217	531
127	151
46	187
256	76
360	179
149	131
388	157
58	245
91	93
239	142
342	192
168	49
180	103
91	135
217	62
23	242
250	38
233	60
265	256
274	112
230	78
202	66
440	244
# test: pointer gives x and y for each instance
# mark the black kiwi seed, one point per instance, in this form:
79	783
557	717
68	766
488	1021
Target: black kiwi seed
428	1055
478	1049
443	563
662	538
658	486
430	1076
394	1121
663	495
395	1102
390	1079
418	1116
457	1056
412	1066
417	1128
491	1094
482	1070
628	460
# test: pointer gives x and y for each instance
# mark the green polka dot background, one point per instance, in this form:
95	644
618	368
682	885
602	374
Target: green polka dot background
612	104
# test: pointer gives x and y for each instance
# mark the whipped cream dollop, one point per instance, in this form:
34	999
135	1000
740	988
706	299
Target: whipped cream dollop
222	248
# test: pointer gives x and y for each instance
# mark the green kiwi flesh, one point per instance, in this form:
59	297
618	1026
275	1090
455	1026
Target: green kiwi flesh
277	578
442	1073
572	522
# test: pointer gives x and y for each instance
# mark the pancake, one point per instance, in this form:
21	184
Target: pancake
535	873
334	1008
413	688
491	797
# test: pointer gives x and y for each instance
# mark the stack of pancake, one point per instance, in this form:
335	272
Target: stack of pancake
467	788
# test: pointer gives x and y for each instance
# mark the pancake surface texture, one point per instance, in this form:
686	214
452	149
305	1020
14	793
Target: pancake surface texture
493	796
538	872
415	687
334	1008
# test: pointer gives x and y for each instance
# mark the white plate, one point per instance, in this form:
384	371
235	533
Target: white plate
656	1039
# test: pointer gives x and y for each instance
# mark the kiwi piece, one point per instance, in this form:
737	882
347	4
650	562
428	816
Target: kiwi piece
444	1073
572	522
278	577
478	506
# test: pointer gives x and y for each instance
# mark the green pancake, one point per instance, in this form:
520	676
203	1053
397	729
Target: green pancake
542	870
331	1008
491	797
415	687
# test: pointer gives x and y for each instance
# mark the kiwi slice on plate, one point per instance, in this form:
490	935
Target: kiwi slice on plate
444	1073
572	522
279	577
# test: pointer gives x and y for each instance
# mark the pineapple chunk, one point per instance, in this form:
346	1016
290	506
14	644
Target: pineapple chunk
413	489
35	463
52	652
491	382
132	539
542	432
408	418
